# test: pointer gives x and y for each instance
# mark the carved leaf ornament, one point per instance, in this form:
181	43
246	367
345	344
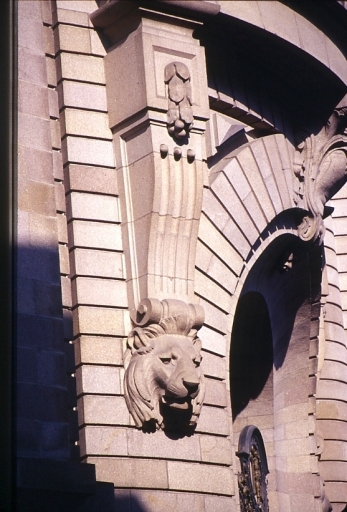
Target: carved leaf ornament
180	114
320	168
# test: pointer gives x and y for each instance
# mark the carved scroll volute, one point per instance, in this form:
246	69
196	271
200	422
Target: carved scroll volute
320	168
163	384
180	113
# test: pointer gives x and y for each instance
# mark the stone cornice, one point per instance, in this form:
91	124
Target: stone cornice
114	9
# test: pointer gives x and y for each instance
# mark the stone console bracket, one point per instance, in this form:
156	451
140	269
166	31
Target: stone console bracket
158	109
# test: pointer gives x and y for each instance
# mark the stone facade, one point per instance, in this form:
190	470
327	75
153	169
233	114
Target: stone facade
180	197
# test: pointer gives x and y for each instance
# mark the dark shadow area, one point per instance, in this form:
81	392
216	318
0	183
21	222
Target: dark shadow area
267	75
108	499
49	475
103	499
274	308
251	351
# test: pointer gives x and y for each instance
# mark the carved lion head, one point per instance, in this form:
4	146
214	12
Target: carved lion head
164	386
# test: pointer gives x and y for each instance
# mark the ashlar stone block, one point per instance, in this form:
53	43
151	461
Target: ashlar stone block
96	235
31	67
97	263
33	99
210	290
131	473
161	446
86	124
81	205
169	501
73	39
85	68
102	410
200	478
86	6
98	379
213	421
98	320
215	449
103	440
99	350
219	245
99	292
82	95
88	151
84	178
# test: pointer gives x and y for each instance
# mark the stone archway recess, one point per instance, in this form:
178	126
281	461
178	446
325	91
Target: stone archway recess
247	209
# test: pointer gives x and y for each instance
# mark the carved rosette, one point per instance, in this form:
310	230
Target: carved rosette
180	113
320	170
163	383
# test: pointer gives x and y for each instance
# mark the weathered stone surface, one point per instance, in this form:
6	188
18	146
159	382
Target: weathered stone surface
81	205
98	379
99	292
215	449
85	68
131	473
140	445
200	478
103	410
96	235
98	320
97	263
88	151
96	350
82	95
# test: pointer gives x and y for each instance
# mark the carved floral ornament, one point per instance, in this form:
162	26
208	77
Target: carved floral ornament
320	168
164	384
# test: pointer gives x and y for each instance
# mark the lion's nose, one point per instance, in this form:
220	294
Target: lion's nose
192	384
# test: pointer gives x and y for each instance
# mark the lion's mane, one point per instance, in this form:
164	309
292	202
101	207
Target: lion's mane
146	382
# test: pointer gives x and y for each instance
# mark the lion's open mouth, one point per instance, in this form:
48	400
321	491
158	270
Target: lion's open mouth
175	402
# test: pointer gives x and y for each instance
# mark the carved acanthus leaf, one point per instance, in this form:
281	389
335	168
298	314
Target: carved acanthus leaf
320	169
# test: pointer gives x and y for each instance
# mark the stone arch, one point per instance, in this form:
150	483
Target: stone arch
256	254
273	324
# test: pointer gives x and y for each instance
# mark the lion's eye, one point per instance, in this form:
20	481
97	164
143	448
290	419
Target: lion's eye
165	360
197	362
